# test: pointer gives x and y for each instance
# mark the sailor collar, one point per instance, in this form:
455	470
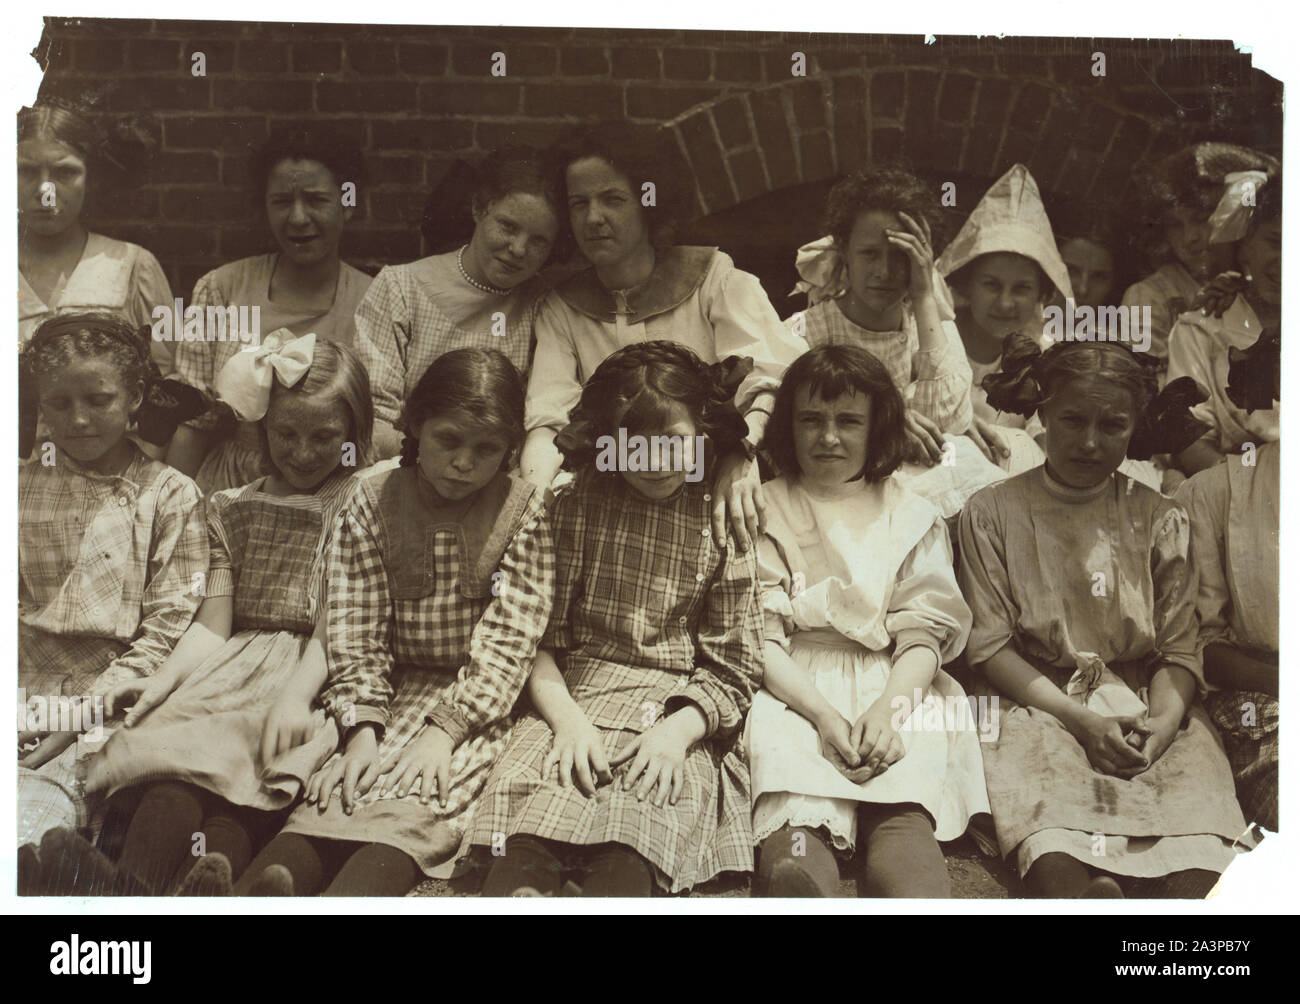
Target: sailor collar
679	271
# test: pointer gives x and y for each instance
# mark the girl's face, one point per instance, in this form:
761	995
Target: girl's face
605	212
830	437
305	434
660	484
1092	271
1089	422
304	207
1260	255
1188	233
51	186
512	239
458	456
88	407
1003	293
878	272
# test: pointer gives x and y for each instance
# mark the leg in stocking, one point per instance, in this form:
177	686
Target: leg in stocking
160	837
795	863
899	855
528	863
614	870
376	870
301	856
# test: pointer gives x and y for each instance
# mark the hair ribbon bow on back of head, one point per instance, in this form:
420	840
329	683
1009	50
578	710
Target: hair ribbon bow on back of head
1231	217
245	380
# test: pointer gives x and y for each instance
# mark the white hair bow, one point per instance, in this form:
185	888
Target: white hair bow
1231	217
245	380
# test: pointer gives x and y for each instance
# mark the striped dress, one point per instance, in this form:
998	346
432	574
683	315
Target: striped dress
435	611
267	554
650	614
108	567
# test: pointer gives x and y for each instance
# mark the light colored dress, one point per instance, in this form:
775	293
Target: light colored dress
650	615
112	275
851	579
1198	348
268	555
1168	291
1092	586
107	569
414	313
247	283
435	611
695	296
1234	508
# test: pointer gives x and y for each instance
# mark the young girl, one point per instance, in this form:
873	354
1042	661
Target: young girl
650	658
110	549
1234	510
1201	344
303	286
206	747
854	739
1106	776
440	580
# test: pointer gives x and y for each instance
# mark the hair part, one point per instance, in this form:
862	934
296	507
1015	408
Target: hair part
1109	362
828	372
479	384
337	372
61	339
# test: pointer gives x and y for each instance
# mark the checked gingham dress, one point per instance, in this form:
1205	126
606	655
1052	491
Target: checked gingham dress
107	566
650	614
267	554
435	612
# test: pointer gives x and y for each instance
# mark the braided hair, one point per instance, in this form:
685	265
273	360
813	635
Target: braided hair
636	388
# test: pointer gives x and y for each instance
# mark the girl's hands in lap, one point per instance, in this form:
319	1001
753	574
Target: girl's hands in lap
356	771
427	757
877	742
1106	741
578	753
658	755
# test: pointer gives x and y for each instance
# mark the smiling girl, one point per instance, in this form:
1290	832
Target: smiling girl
1107	776
861	610
485	294
628	775
303	286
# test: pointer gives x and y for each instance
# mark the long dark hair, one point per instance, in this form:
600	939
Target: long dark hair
481	384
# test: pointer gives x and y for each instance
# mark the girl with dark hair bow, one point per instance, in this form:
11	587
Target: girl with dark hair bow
1106	777
628	775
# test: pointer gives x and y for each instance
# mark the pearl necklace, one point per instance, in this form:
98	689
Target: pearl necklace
483	287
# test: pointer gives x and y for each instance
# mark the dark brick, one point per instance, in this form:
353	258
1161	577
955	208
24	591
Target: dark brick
774	137
204	205
422	58
955	97
922	90
832	59
778	64
475	59
136	204
1132	140
98	54
184	168
981	149
218	57
421	134
401	244
1032	104
214	132
1095	131
747	173
947	149
733	123
1017	148
365	96
1032	66
849	104
243	242
397	207
394	169
583	61
494	135
706	162
1058	136
97	26
153	54
737	65
688	64
591	100
637	64
237	169
815	158
379	58
1076	173
318	57
991	106
663	103
139	94
256	95
887	95
169	241
260	56
809	99
498	98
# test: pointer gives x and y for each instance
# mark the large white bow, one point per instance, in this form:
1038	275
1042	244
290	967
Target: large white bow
245	380
1231	217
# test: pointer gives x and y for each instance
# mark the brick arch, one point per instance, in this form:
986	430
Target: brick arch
961	123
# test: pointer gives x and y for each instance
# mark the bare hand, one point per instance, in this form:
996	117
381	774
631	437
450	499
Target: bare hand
876	739
915	243
356	770
141	695
658	756
1217	295
289	724
427	757
837	744
924	437
738	496
1105	741
984	435
578	754
47	749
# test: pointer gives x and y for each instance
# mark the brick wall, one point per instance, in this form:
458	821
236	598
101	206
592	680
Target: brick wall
421	97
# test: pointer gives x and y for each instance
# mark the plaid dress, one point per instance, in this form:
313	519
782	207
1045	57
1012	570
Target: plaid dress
650	614
435	612
110	572
267	553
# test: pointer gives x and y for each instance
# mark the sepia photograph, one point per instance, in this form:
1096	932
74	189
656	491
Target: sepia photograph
622	463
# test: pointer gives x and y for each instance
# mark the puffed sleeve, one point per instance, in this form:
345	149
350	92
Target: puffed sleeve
926	607
728	646
505	639
984	580
150	289
1173	577
941	383
775	591
554	385
359	625
178	568
383	333
745	324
